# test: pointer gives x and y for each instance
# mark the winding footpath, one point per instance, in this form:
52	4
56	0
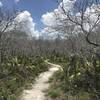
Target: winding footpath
41	84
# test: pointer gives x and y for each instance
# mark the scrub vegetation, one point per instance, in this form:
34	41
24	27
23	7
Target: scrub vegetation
76	48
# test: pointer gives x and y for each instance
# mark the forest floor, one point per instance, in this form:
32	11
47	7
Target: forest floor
37	90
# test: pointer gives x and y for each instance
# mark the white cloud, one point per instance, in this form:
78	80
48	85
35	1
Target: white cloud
16	1
67	4
49	19
26	23
1	4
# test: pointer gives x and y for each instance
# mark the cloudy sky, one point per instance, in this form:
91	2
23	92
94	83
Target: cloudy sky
37	13
32	11
35	7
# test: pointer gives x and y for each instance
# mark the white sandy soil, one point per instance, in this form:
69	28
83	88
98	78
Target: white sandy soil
41	84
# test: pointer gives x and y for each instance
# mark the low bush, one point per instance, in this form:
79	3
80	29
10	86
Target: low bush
16	72
79	76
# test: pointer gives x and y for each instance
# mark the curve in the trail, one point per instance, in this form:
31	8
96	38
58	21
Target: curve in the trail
41	84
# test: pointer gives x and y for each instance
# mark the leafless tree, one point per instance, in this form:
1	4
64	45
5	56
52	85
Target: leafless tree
88	20
6	21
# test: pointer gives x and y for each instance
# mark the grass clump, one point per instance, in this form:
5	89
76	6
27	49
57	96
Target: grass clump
53	93
18	72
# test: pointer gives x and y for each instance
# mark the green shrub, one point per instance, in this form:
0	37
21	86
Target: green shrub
16	72
53	93
79	74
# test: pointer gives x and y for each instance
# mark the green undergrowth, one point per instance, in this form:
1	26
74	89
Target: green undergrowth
57	89
78	78
16	73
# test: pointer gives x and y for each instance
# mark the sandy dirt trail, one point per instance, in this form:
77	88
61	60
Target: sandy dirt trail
41	84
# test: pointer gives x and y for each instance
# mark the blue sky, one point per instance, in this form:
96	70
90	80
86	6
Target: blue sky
36	7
